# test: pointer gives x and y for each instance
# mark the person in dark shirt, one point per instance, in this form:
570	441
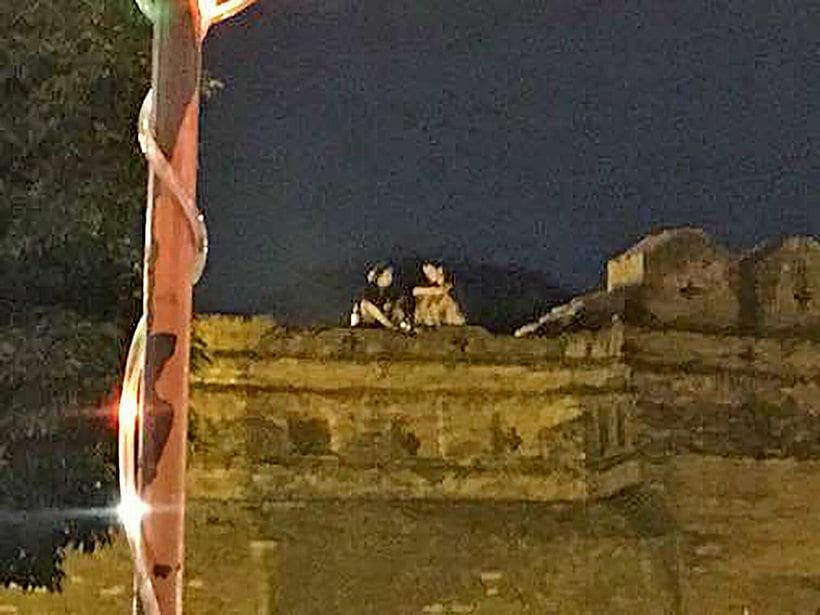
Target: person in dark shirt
381	303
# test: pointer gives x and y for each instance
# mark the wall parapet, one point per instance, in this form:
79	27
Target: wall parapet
682	279
379	404
260	336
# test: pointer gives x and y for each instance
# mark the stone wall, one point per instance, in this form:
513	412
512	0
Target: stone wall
785	279
655	450
686	280
369	557
707	443
627	269
681	279
729	395
448	413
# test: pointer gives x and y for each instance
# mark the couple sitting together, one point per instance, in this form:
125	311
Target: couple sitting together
431	303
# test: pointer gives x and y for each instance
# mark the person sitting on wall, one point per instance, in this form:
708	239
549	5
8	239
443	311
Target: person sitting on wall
381	303
435	305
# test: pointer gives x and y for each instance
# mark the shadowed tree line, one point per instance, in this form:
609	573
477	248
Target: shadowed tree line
498	297
72	73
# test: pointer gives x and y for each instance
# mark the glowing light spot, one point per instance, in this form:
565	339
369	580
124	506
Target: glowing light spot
129	407
131	511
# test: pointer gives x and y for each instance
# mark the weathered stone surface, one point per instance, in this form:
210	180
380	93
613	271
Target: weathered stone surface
261	338
687	351
716	535
686	281
609	393
587	313
681	279
446	424
450	414
783	285
293	373
725	395
224	333
747	533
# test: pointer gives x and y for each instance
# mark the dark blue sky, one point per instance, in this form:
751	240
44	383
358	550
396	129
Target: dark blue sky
546	134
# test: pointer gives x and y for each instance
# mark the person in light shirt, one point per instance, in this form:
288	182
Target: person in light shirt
435	304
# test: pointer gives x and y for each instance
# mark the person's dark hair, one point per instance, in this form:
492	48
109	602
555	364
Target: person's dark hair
374	272
448	274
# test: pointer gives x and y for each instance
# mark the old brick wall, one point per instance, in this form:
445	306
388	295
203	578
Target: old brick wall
682	279
785	280
721	535
685	280
450	413
729	395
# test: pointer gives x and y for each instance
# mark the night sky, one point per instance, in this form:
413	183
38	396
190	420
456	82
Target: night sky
548	135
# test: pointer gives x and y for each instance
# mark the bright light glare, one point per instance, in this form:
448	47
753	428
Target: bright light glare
128	408
131	510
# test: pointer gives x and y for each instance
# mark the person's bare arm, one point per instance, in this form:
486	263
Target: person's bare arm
430	291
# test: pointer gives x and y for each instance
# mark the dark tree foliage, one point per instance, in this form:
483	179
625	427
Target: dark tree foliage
72	186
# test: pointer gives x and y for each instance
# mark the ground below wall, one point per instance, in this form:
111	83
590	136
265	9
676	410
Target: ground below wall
749	533
704	535
359	557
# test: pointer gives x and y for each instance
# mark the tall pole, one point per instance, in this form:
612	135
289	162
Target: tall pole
153	409
170	252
